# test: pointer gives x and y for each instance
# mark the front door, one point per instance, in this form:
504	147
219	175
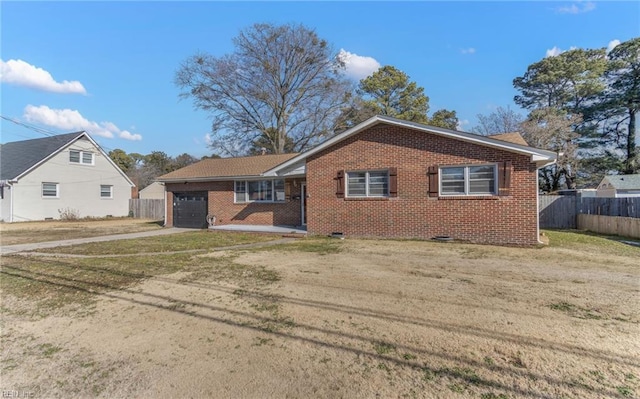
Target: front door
303	203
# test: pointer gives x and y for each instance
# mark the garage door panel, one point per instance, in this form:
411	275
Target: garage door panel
190	210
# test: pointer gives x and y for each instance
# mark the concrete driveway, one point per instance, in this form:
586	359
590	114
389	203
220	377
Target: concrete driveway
9	249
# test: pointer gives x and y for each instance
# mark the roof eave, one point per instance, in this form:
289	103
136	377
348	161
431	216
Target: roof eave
45	159
468	137
206	178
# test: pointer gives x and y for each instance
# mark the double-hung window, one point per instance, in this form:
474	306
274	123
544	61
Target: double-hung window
50	190
468	180
81	157
368	183
259	190
106	191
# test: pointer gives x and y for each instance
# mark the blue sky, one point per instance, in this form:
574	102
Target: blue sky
108	67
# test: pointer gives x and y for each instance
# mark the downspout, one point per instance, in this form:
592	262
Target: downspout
166	203
11	201
538	208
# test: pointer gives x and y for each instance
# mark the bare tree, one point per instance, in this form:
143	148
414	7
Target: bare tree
502	120
281	79
554	130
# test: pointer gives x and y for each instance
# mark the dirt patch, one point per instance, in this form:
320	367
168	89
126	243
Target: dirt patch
361	319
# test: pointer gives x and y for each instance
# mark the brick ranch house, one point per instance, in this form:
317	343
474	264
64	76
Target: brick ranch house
384	178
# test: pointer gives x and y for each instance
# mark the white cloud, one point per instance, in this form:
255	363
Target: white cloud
357	66
612	44
577	7
69	119
552	52
462	124
208	139
22	73
469	50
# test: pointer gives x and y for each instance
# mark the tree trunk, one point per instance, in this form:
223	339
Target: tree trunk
631	163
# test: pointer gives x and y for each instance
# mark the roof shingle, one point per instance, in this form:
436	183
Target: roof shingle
625	182
513	137
19	156
228	167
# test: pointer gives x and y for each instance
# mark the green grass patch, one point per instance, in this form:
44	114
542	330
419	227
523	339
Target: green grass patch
319	245
196	240
382	348
491	395
591	242
625	391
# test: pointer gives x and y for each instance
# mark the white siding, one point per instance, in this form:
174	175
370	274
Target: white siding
153	191
79	188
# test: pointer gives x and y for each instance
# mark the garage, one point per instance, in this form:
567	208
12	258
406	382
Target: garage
190	210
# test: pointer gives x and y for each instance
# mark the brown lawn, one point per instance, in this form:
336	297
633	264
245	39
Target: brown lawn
329	318
30	232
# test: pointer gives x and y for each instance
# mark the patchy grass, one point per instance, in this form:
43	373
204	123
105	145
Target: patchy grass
591	242
285	318
318	245
31	232
196	240
50	284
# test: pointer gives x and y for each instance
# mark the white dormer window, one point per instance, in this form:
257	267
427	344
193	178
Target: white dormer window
81	157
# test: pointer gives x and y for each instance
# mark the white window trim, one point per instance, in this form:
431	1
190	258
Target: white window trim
246	192
49	196
110	191
80	160
466	181
367	194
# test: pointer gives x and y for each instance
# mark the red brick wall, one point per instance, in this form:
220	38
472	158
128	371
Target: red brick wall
220	204
413	214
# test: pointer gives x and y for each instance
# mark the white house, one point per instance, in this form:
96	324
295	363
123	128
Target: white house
619	186
154	190
42	178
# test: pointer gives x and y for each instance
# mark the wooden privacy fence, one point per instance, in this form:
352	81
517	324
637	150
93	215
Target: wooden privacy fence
628	227
561	211
147	208
557	212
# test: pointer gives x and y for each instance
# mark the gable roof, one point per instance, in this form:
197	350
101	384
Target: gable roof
225	168
512	137
624	182
19	156
540	157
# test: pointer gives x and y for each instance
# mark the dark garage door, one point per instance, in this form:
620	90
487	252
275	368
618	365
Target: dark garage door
190	210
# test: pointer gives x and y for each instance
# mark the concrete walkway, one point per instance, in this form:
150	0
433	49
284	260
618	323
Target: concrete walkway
260	229
285	240
10	249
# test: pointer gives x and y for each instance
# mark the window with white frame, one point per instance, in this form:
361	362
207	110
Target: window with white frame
106	191
50	190
374	183
81	157
259	190
468	180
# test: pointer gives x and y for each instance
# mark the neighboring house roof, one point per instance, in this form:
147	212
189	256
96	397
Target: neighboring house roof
224	168
20	156
540	157
513	137
151	186
623	182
